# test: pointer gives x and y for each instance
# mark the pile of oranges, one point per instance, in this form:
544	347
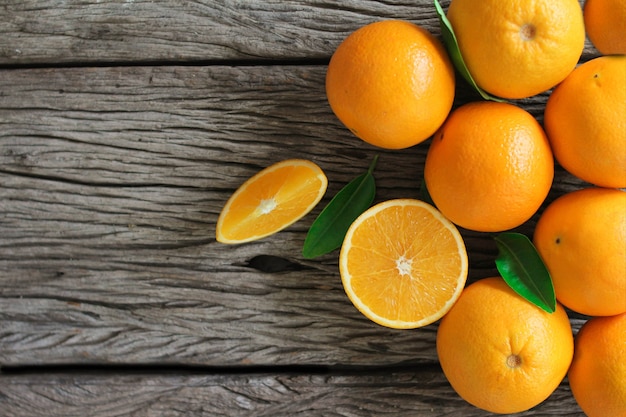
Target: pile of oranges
489	168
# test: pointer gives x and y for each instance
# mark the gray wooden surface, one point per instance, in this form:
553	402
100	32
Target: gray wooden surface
124	127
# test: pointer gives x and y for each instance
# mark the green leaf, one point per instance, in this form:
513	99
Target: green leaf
523	269
452	46
329	228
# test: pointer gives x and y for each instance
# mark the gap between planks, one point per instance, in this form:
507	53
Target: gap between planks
266	62
190	369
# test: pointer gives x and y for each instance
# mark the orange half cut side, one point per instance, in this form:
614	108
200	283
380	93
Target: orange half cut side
403	264
271	200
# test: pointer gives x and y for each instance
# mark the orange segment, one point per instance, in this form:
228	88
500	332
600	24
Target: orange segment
271	200
403	264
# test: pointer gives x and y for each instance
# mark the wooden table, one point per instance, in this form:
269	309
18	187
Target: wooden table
124	127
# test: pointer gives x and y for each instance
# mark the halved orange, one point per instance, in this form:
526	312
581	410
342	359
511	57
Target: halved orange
403	264
271	200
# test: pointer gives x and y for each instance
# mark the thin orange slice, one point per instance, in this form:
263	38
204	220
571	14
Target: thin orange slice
271	200
403	264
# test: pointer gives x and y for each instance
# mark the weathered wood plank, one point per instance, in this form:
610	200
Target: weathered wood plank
111	181
135	30
87	31
389	393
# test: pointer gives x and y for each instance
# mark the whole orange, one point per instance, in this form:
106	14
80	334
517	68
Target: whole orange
391	83
500	352
585	119
605	22
581	237
518	48
597	375
489	167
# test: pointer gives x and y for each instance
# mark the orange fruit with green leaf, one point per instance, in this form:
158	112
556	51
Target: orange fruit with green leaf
518	48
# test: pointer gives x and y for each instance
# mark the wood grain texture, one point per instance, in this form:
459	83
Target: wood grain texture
138	30
118	31
112	180
111	183
423	393
124	127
